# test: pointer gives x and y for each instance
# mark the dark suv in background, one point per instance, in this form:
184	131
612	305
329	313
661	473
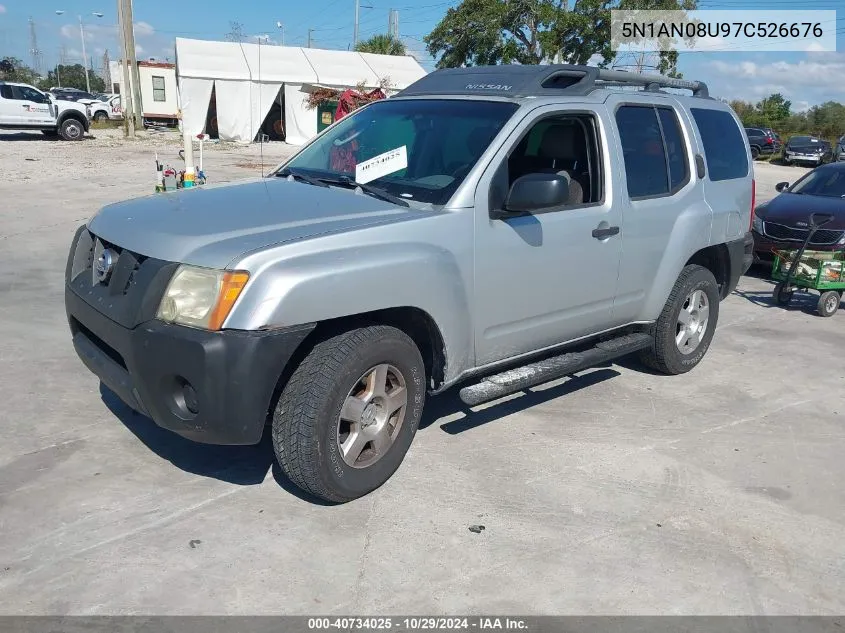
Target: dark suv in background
762	141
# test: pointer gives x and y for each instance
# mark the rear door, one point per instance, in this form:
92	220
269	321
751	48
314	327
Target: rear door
9	107
664	215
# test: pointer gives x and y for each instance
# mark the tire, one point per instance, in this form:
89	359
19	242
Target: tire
781	297
50	133
71	130
101	116
755	153
829	303
341	373
666	355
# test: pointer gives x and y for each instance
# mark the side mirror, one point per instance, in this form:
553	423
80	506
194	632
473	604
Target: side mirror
781	186
532	192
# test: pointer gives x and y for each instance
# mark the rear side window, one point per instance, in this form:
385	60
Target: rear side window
654	150
724	147
6	92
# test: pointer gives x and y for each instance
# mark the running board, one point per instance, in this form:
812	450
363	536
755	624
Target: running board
520	378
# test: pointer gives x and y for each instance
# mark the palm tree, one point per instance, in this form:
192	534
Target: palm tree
382	45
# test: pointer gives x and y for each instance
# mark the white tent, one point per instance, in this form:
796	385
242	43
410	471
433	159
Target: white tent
247	78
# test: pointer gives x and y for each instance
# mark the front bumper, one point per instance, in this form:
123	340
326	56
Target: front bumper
765	246
803	158
210	387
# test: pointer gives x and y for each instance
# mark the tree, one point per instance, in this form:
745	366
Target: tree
775	108
481	32
13	69
382	45
73	76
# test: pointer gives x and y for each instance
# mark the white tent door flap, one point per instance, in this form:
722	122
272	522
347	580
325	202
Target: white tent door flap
300	122
264	96
195	95
234	110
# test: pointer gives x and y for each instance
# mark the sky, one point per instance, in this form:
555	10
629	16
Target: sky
804	78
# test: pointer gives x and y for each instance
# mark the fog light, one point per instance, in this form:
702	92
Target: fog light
190	397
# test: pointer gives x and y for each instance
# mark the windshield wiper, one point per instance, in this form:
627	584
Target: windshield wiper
376	192
303	177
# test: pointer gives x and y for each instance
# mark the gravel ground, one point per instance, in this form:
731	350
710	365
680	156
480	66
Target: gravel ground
615	492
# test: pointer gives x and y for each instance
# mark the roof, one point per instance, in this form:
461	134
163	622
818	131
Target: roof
539	81
204	59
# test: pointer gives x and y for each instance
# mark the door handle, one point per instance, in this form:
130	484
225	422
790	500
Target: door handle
609	231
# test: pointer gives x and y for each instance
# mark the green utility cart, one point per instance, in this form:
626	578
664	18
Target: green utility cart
818	270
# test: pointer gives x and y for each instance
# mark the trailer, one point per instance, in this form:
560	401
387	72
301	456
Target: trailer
159	95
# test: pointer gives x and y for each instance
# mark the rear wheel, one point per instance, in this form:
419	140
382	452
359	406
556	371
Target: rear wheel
829	303
349	412
685	328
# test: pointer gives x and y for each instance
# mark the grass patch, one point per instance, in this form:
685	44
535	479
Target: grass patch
106	124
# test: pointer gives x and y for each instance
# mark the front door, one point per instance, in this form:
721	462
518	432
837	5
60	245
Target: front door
34	107
548	277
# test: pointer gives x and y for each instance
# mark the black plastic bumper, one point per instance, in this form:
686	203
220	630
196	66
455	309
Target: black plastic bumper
741	252
210	387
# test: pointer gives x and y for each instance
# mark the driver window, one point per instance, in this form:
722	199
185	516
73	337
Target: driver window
565	145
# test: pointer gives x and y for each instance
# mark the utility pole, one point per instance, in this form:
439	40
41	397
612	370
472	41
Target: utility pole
126	95
107	71
309	37
358	7
84	55
33	48
355	36
393	24
133	88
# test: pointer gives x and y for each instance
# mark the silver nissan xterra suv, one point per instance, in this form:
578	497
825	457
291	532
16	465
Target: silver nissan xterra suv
497	227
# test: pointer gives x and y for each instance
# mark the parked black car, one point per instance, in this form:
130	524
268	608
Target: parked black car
72	94
807	149
782	222
761	141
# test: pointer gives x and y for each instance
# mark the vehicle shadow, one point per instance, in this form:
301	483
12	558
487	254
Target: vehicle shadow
27	136
448	403
240	465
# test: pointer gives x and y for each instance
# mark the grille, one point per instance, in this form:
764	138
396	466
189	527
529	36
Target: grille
131	293
791	234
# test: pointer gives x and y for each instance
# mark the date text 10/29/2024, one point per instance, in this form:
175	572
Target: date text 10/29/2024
418	623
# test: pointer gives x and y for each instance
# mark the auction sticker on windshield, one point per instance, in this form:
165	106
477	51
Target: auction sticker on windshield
382	165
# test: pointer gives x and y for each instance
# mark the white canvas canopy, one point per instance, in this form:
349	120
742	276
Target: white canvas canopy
247	79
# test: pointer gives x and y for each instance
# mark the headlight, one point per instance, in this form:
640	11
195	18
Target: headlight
201	297
757	224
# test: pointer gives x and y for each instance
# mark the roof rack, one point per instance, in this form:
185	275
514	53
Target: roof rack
541	80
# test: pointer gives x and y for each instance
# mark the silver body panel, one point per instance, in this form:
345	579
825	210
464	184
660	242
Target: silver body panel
496	289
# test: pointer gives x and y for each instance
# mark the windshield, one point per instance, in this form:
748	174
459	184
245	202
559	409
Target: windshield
803	139
419	150
822	182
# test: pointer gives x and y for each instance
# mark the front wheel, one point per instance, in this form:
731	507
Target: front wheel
782	297
829	303
71	130
101	116
685	327
349	412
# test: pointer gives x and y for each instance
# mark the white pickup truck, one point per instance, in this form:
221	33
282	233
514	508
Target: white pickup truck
23	107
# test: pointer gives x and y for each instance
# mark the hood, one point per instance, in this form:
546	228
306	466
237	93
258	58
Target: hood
212	225
790	208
